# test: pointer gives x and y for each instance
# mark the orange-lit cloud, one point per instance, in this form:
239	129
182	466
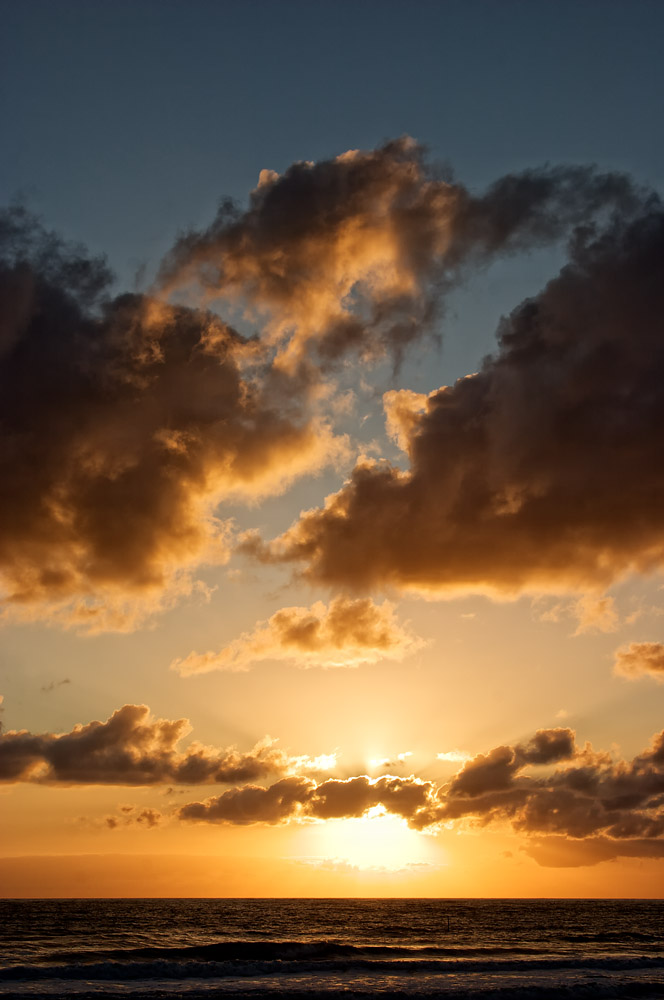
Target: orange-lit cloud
356	252
590	796
582	795
542	471
561	852
124	423
132	748
591	612
127	420
336	255
547	788
640	659
299	797
344	634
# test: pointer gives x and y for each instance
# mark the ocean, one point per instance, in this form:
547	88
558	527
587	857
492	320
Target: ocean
204	948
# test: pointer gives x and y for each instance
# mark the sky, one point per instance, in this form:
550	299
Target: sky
331	409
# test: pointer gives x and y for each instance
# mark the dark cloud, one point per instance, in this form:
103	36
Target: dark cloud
338	254
149	818
591	796
486	773
252	804
617	807
540	472
547	788
124	421
299	797
548	746
356	253
132	748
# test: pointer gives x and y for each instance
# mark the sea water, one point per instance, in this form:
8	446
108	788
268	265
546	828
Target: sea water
202	948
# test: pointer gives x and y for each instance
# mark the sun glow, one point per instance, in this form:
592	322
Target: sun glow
374	841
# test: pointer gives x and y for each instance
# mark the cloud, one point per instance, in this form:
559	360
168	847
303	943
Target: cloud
545	787
343	866
52	685
542	471
344	634
596	614
495	771
125	421
592	613
356	253
332	256
409	797
572	806
148	818
132	748
547	746
252	804
573	795
128	419
560	852
391	763
640	659
299	798
588	797
453	756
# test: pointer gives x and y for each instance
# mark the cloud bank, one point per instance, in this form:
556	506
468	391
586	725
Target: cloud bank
569	803
344	634
581	796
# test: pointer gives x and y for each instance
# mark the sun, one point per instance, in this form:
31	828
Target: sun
376	840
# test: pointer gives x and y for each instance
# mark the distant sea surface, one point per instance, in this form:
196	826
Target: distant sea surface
204	948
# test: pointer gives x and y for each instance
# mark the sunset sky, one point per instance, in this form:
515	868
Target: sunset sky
331	468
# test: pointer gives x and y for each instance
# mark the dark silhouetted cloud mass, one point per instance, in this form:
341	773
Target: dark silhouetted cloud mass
125	421
132	748
356	253
618	806
540	472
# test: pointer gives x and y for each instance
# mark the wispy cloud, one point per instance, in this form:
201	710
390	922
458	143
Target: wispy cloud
640	659
52	685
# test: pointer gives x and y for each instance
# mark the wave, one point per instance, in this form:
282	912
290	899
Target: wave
609	936
314	958
253	950
278	950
